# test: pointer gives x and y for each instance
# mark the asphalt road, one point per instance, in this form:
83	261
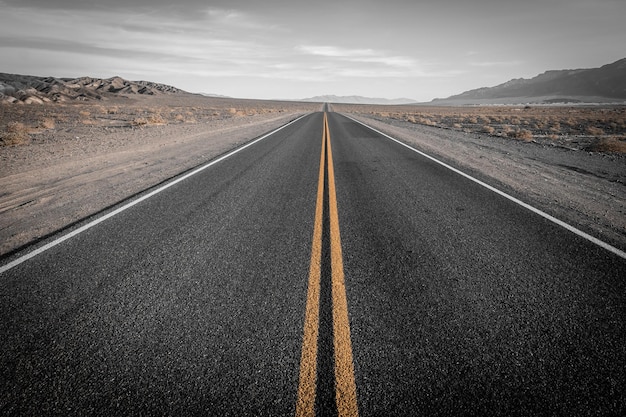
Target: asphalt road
192	302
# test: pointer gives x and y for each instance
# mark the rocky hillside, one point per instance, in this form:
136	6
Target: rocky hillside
36	90
604	84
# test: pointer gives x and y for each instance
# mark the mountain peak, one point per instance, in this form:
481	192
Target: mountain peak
605	84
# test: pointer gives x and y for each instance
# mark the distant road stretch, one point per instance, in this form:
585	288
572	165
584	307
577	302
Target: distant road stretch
323	269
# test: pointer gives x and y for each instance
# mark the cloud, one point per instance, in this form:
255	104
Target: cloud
221	42
492	64
369	56
82	48
189	7
333	51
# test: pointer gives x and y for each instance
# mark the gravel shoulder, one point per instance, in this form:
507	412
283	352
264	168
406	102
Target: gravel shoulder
585	189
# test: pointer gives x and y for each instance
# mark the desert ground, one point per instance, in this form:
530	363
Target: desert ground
62	162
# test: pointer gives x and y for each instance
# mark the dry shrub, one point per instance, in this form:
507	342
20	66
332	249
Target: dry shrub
422	120
523	134
538	125
570	122
47	123
594	131
139	121
488	129
614	144
156	119
153	119
16	133
508	131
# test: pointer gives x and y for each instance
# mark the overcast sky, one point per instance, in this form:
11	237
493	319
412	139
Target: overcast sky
420	49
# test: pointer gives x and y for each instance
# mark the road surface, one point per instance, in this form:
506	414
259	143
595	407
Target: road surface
322	270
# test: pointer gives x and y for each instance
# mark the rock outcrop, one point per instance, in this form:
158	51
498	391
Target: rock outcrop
28	89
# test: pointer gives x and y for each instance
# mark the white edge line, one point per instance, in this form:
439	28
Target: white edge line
107	216
543	214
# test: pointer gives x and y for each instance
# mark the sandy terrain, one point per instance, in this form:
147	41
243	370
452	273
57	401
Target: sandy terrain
63	162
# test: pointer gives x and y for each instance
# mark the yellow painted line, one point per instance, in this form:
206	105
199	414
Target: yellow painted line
345	393
305	405
344	366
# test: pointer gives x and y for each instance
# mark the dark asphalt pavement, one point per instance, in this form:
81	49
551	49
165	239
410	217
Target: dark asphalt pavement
192	302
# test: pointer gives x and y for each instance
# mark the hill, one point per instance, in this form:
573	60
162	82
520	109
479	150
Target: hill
357	100
606	84
30	89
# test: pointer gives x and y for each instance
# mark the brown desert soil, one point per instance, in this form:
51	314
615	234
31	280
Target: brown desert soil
61	163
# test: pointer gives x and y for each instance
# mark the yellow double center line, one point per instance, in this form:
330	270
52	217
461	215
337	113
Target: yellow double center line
345	388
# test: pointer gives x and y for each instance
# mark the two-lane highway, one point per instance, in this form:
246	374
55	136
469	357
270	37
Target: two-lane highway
324	269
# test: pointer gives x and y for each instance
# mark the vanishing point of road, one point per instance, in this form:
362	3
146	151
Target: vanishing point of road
322	269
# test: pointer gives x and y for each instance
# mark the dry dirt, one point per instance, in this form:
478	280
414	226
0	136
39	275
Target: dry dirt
63	162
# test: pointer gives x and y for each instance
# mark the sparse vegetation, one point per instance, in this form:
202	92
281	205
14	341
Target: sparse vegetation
47	123
488	129
15	133
592	128
595	131
524	134
613	144
26	123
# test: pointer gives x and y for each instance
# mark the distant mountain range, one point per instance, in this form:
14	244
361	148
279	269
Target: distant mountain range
31	89
357	100
214	95
606	84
